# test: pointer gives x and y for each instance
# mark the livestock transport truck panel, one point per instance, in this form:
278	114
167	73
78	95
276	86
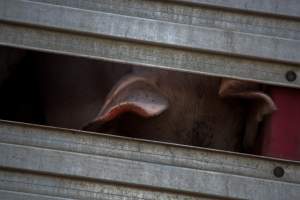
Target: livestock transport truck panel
256	41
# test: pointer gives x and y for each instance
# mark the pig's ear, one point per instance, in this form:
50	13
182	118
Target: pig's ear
131	94
260	105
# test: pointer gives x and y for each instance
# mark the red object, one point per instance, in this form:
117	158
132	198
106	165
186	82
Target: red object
281	135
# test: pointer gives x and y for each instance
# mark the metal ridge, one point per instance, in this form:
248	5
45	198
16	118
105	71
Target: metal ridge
289	8
158	34
81	155
151	31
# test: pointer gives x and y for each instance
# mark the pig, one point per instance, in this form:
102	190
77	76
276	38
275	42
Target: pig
184	108
162	105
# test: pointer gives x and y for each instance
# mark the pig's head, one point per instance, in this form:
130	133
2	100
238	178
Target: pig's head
185	108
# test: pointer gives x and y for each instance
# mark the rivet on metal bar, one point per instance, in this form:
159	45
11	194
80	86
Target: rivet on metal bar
291	76
278	172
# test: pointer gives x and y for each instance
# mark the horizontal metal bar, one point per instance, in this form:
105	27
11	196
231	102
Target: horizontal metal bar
66	187
153	31
190	15
137	163
8	195
147	54
277	7
104	145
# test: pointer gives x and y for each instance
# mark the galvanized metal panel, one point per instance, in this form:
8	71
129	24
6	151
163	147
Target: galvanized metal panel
161	34
61	187
9	195
190	15
154	31
61	157
289	8
147	55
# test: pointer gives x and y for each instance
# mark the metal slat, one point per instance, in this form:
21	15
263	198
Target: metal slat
190	15
136	165
8	195
60	187
290	8
120	26
149	31
148	55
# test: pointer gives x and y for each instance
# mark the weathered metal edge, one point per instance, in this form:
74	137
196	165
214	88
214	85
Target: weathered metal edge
164	153
153	31
288	8
29	184
15	195
93	46
191	15
80	165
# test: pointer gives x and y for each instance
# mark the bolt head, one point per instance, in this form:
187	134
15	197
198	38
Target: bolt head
278	172
291	76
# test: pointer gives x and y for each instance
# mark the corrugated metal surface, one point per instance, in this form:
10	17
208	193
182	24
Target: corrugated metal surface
251	40
289	8
48	163
256	41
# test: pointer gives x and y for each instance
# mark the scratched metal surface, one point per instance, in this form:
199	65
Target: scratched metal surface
288	8
248	42
50	163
